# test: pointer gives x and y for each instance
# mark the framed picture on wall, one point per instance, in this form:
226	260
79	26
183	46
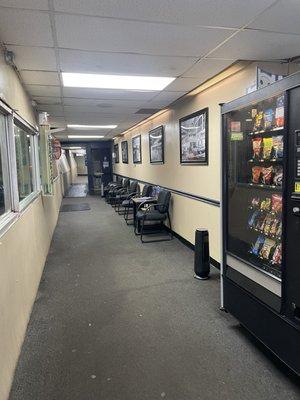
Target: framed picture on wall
194	138
137	149
124	149
156	145
116	152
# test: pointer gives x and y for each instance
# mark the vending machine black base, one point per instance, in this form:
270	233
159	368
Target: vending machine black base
261	216
275	331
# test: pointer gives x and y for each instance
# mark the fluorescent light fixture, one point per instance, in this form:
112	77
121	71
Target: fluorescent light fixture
85	136
72	126
73	148
123	82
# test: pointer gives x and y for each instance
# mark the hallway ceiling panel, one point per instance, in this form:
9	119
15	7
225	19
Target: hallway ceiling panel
259	45
40	78
34	58
229	13
192	41
136	37
123	63
24	27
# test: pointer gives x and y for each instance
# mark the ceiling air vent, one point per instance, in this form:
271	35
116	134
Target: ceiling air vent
147	111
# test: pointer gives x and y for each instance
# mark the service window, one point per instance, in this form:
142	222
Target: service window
24	158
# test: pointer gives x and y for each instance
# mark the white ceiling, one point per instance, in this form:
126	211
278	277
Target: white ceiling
191	40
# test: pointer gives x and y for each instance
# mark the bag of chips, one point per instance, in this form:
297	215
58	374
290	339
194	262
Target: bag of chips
256	172
260	224
277	256
277	146
278	176
268	118
276	203
279	230
266	204
267	248
267	224
279	112
267	175
252	219
258	245
267	148
273	228
258	124
255	202
257	147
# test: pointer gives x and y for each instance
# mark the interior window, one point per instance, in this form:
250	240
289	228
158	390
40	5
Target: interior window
2	196
24	162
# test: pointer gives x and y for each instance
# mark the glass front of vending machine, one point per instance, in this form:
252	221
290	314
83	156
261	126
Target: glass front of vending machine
258	172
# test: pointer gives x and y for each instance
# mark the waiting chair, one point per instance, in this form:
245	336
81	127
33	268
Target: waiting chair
111	196
132	190
128	203
158	212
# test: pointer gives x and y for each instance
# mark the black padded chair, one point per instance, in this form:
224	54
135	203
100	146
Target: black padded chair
112	194
158	213
112	185
132	190
128	203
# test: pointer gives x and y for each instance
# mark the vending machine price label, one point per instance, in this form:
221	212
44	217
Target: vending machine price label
297	187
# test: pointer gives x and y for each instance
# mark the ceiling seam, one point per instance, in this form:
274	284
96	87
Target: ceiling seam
55	42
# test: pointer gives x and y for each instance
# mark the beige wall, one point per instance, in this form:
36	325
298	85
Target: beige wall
23	249
188	214
12	92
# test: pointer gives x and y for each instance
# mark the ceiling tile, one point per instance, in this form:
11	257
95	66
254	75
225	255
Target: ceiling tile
47	100
39	90
54	110
229	13
118	63
40	78
101	110
24	27
80	32
104	104
258	45
207	68
163	99
107	94
30	4
57	121
183	84
34	58
282	17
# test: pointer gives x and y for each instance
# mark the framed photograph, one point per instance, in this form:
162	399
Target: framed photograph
124	149
156	145
116	152
194	138
137	149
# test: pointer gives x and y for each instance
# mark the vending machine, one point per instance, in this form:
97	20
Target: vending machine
261	215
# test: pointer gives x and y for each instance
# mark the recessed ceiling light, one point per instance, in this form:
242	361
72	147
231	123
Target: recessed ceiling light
125	82
85	136
91	126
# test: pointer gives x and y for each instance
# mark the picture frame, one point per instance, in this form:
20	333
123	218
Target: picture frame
193	137
116	152
124	150
156	145
137	149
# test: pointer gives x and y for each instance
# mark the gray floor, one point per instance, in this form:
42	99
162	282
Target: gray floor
118	320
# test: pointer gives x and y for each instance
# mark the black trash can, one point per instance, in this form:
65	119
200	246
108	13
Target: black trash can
202	260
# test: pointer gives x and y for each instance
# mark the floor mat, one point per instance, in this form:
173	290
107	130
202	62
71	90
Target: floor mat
75	207
77	190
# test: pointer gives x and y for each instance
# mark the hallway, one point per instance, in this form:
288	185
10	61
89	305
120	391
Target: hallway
118	320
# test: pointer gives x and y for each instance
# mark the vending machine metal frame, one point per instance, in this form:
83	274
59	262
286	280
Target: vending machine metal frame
266	315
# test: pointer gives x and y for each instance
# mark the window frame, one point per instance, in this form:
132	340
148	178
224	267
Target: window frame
30	130
14	207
